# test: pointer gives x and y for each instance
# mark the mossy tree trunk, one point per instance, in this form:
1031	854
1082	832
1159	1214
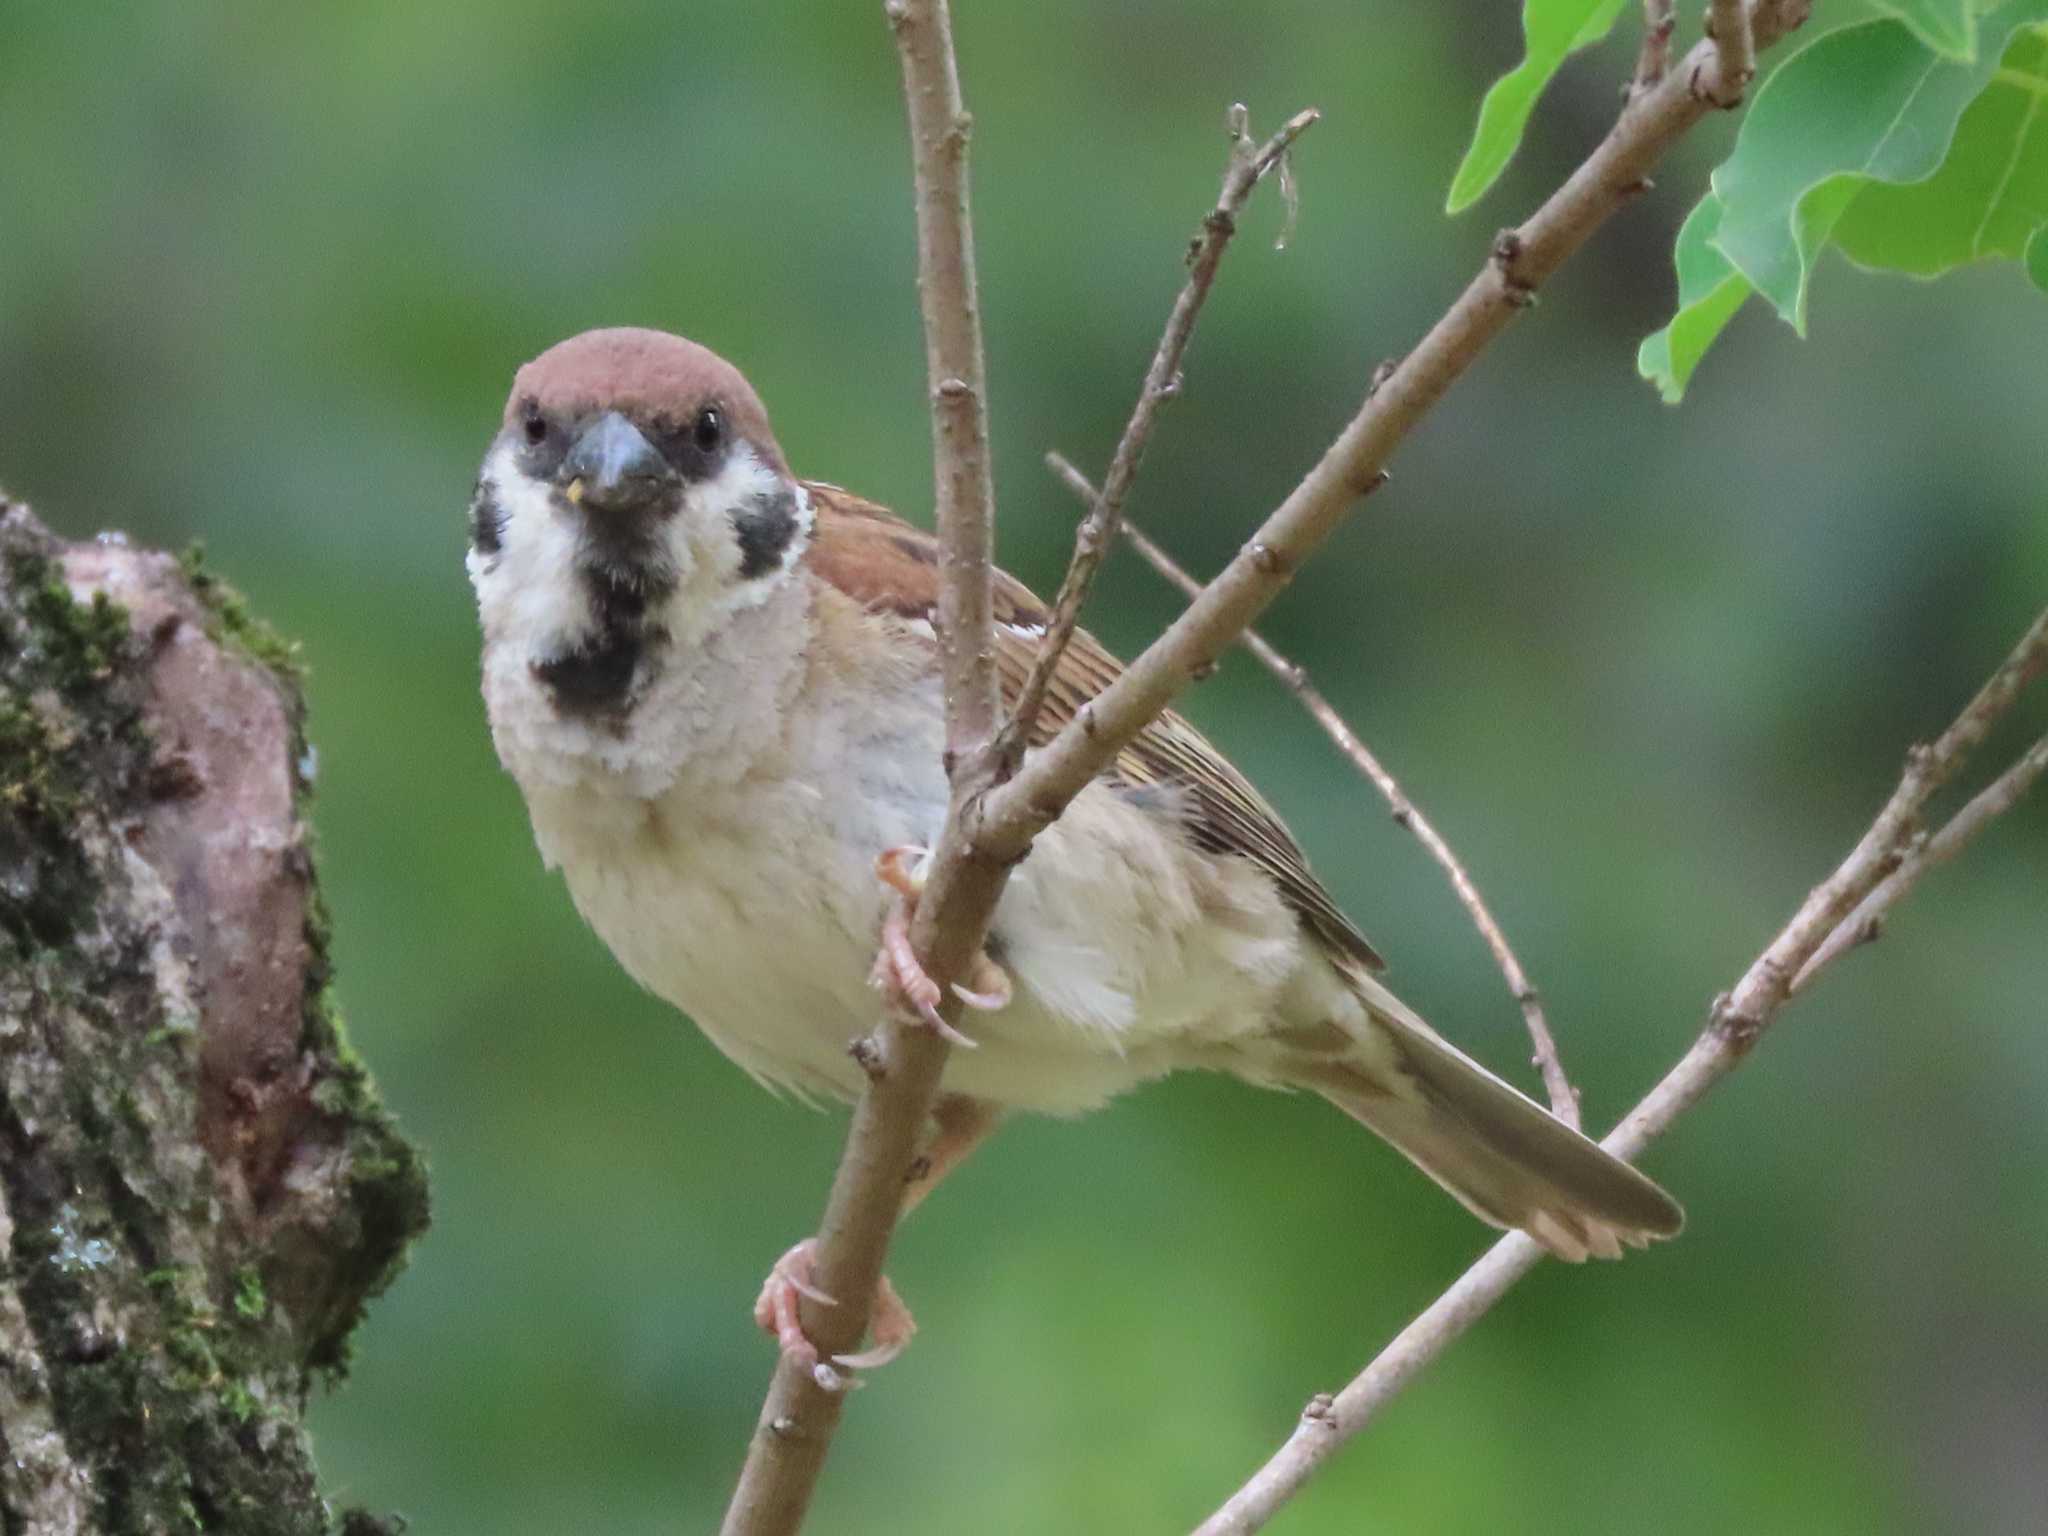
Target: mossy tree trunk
198	1188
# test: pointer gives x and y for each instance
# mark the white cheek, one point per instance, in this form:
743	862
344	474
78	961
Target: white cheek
529	593
704	542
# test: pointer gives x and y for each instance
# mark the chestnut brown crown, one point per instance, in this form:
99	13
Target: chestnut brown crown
650	377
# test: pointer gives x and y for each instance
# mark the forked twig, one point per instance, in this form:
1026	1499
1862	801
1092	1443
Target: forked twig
1991	802
1729	25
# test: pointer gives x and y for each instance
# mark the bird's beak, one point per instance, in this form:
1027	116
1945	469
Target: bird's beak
612	468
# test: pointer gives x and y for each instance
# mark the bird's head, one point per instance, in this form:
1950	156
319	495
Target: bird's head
634	494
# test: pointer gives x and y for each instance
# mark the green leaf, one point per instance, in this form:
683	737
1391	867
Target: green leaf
1858	111
2037	259
1947	26
1709	293
1552	30
1990	196
1867	103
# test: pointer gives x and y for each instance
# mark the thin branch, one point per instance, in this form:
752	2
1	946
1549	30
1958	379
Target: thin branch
1867	921
903	1062
1860	891
1097	534
1521	260
1728	24
1564	1100
1994	800
961	480
1660	20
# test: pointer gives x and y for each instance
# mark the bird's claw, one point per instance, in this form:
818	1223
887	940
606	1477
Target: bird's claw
897	968
991	991
900	868
775	1311
899	973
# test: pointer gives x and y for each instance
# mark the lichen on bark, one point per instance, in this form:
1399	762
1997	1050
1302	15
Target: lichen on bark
199	1189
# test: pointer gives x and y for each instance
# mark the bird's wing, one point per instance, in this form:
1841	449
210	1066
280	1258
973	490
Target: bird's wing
884	563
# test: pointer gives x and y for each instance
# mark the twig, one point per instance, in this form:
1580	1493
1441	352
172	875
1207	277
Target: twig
1660	20
1098	530
1564	1100
904	1063
961	479
1860	890
1991	802
1996	798
1728	24
1522	259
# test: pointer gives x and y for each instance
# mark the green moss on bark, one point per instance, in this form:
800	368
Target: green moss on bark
386	1181
232	622
171	1323
66	719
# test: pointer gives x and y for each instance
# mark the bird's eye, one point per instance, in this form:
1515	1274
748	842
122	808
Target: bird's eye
536	429
708	430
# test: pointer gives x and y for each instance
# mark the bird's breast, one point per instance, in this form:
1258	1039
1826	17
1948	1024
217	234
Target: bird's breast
750	901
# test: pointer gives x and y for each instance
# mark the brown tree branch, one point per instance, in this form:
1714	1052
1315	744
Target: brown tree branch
1859	892
1728	24
1097	533
1564	1100
1521	260
1660	20
2028	661
1867	921
991	824
904	1061
962	486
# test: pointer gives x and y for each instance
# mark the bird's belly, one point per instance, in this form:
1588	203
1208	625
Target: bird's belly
1128	955
1131	955
759	926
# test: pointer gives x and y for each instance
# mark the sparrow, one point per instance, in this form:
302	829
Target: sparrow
717	687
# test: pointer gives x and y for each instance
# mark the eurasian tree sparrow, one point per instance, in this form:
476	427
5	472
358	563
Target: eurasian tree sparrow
717	686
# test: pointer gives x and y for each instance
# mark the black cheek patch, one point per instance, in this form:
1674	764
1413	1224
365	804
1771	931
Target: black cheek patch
486	519
765	529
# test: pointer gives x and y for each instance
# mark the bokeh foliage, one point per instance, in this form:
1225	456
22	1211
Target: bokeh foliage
264	273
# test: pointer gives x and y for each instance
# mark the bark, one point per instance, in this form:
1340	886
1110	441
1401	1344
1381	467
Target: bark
199	1190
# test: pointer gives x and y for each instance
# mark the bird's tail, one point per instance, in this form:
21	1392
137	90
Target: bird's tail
1506	1158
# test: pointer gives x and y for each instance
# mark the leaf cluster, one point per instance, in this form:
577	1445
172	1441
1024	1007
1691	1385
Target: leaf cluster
1913	143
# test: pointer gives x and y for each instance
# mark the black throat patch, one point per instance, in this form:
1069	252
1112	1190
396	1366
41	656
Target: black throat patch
765	526
597	676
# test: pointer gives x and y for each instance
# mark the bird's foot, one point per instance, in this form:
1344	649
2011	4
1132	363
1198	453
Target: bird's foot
897	968
776	1312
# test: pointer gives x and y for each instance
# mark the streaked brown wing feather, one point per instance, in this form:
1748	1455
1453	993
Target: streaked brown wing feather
884	563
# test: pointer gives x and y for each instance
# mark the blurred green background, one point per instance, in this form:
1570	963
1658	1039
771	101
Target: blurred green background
265	272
